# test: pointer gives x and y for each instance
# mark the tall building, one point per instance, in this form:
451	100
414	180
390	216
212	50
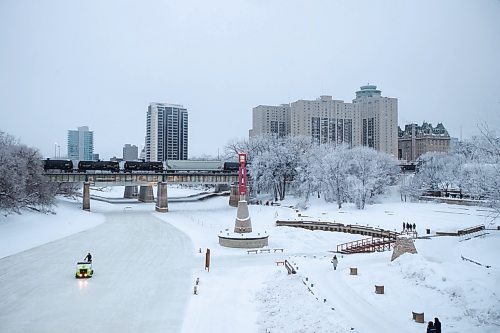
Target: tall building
166	132
417	140
81	144
370	120
271	119
130	152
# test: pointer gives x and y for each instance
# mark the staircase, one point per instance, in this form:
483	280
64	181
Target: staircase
367	245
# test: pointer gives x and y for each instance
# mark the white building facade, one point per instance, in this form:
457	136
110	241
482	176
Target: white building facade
166	132
370	120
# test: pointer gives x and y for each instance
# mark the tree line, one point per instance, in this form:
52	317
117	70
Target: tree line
294	164
22	184
281	165
473	169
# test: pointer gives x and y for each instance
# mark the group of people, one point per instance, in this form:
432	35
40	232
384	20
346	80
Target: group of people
409	227
434	327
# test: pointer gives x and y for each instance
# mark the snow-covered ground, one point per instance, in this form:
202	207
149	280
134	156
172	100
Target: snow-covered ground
146	270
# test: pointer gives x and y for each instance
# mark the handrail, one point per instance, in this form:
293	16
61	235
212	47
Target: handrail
340	227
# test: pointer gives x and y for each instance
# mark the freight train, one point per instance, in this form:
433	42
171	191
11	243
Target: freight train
180	166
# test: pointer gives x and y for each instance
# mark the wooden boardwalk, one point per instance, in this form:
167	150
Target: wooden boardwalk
380	239
340	227
367	245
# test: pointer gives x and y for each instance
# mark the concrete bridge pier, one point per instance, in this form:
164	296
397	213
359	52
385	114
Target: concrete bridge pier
86	196
130	192
221	187
162	198
234	196
146	194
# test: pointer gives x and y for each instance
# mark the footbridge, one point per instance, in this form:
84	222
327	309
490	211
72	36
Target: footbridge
146	181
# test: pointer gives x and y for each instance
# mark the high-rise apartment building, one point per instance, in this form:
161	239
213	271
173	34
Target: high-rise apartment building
370	120
130	152
166	132
417	140
81	144
271	119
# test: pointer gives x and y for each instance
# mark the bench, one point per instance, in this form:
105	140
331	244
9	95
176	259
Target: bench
289	268
265	250
278	250
250	251
278	263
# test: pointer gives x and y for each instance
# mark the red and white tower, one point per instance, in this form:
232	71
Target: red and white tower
242	175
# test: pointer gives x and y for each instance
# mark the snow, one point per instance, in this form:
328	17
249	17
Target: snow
146	264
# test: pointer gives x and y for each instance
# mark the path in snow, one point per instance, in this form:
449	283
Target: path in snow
141	265
363	309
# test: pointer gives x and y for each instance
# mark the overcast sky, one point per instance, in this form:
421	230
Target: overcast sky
65	64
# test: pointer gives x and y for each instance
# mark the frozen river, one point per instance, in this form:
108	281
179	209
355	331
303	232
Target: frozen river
141	282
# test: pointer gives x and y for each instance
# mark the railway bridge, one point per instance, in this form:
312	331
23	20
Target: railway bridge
146	181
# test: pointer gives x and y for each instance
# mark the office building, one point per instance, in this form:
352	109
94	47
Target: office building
81	144
370	120
130	152
417	140
166	132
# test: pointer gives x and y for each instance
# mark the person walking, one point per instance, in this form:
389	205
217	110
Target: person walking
414	227
431	328
404	226
335	262
437	325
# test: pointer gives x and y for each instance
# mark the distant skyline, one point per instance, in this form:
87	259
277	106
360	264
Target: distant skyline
66	64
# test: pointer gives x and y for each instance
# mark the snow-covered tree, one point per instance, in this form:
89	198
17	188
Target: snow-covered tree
370	173
275	161
309	179
439	171
22	184
488	151
333	171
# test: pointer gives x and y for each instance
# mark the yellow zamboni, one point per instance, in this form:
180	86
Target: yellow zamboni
84	270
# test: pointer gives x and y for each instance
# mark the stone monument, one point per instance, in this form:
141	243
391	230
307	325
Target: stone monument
243	235
404	244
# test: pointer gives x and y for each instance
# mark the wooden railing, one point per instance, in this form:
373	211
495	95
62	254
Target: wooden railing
367	245
471	230
339	227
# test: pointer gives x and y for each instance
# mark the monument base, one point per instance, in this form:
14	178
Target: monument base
243	241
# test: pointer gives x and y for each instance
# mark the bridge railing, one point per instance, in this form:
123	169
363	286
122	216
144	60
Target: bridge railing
143	178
